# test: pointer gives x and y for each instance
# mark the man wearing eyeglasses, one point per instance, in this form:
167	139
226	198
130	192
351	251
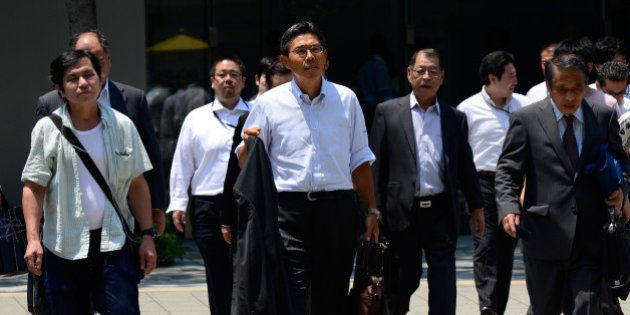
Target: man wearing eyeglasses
488	115
200	162
612	79
317	143
422	160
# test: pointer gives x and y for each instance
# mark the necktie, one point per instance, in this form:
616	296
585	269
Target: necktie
569	143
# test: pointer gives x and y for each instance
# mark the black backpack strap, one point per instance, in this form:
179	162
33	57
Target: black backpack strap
91	167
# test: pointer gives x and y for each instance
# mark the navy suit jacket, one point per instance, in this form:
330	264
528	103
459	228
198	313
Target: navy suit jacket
133	103
392	141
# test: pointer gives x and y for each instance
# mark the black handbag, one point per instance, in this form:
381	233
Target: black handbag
618	256
371	290
102	183
36	295
12	238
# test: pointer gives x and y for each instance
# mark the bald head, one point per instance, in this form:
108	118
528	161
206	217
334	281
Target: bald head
96	44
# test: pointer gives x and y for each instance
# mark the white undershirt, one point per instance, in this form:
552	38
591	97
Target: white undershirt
92	196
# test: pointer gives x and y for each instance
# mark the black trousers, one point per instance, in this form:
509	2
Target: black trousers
206	229
494	253
432	231
319	238
572	286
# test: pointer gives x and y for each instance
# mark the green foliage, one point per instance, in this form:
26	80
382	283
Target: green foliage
168	245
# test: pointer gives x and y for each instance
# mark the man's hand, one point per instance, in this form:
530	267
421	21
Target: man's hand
179	219
242	151
159	220
226	231
148	256
478	221
253	131
510	222
371	227
615	200
33	257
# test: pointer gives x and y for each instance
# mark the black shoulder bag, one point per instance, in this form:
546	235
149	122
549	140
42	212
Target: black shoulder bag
98	177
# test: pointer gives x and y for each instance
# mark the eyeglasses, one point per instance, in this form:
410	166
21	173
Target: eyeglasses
613	94
302	51
421	72
233	74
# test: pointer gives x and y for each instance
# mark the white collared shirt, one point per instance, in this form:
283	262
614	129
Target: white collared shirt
104	98
488	125
537	93
578	124
203	151
427	130
623	108
312	145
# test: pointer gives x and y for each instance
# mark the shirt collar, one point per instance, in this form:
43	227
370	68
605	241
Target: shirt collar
106	115
413	102
217	106
295	89
486	97
105	91
579	115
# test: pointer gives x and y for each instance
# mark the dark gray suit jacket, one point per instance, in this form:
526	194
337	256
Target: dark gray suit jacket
392	141
131	102
561	205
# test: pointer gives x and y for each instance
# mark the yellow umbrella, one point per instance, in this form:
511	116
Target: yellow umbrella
179	42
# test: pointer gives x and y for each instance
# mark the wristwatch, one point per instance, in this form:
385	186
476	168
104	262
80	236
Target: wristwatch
150	231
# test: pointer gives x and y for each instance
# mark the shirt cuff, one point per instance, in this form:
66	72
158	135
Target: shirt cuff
360	157
177	204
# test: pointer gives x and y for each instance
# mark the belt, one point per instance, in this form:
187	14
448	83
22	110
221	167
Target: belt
487	173
430	201
319	195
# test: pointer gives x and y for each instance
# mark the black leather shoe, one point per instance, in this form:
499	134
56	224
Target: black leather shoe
486	310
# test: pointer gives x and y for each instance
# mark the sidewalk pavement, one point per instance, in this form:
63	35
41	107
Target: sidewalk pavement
181	289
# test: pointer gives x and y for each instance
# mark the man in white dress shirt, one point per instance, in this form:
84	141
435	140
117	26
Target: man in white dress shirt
317	143
488	114
612	79
539	91
200	162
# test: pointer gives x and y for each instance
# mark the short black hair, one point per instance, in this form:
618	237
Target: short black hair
69	59
277	68
264	64
429	52
102	39
494	63
234	58
580	47
564	62
297	29
608	46
615	71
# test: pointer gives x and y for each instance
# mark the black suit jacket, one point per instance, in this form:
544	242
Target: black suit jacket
561	205
228	213
260	285
392	141
131	102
